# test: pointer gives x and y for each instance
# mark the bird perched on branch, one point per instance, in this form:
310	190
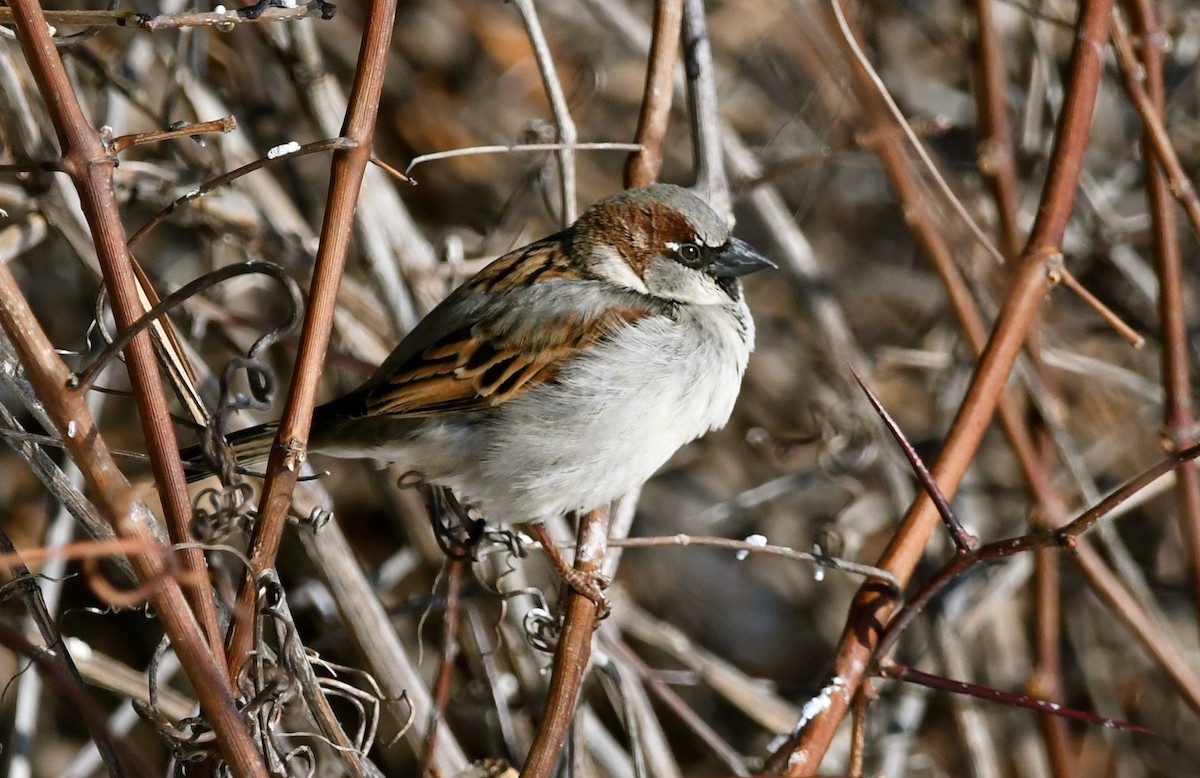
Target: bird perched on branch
566	372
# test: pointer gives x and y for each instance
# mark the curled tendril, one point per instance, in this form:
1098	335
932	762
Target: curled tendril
516	544
216	513
457	541
185	747
261	380
93	326
303	754
509	545
84	380
541	630
410	479
316	520
290	659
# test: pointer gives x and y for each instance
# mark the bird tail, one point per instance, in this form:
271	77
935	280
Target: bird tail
250	446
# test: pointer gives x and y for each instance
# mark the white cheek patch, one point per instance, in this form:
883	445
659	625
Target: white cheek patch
609	265
671	280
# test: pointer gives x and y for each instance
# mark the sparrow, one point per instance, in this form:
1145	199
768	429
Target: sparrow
566	372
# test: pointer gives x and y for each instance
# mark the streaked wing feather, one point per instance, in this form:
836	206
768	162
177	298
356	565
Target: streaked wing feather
478	368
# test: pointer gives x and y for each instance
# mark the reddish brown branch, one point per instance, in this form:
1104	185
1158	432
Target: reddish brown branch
119	144
1155	133
116	500
858	732
291	441
87	162
1179	419
1047	679
996	160
1069	536
1169	659
801	754
886	138
450	650
1157	642
642	166
572	653
1129	334
90	167
1050	709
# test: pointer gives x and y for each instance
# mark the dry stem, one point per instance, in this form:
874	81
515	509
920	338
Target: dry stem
802	753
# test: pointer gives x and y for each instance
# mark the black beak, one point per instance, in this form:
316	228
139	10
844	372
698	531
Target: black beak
739	258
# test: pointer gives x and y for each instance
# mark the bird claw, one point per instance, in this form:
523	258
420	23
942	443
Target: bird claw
587	583
590	585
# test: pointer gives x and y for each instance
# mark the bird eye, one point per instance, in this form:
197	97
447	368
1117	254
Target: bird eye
689	253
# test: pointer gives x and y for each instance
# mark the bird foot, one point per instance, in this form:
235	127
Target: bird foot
590	585
587	583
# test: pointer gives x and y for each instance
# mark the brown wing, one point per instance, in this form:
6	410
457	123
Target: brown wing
479	367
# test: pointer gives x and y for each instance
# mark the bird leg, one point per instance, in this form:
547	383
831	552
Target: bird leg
456	542
587	583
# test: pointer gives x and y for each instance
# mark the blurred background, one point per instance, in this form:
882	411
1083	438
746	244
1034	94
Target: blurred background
804	462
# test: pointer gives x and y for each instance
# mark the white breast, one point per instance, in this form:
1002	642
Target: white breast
611	418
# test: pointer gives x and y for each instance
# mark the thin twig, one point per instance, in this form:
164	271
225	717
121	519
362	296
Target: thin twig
851	40
964	541
858	731
79	700
758	545
1155	133
87	759
329	144
686	713
186	130
1066	536
1131	336
449	657
398	258
711	179
42	614
433	156
1046	681
757	701
996	154
902	672
563	124
57	483
83	381
157	22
